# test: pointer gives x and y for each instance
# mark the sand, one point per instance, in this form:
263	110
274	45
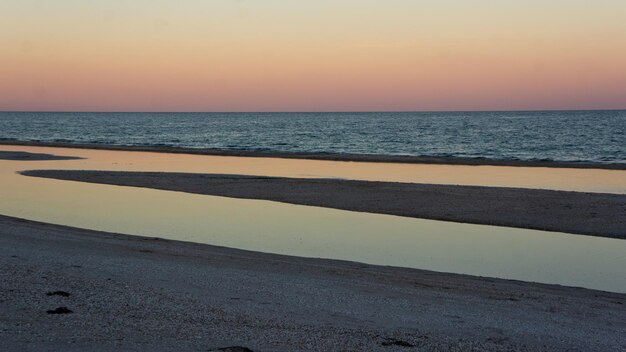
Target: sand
71	289
593	214
135	293
26	156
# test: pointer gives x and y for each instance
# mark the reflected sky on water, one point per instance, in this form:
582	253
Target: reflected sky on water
521	254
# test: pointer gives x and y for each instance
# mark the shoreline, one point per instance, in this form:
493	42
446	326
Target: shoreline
137	293
593	214
372	158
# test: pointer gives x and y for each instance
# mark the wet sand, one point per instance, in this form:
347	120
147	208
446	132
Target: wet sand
593	214
26	156
136	293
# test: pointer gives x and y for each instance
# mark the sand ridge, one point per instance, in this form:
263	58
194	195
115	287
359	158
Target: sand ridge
593	214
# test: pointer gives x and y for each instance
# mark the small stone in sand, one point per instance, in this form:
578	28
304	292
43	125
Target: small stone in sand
60	310
234	349
393	342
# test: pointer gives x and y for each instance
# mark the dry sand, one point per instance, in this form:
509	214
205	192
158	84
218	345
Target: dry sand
594	214
133	293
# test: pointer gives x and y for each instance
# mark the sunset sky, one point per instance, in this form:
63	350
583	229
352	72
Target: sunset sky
316	55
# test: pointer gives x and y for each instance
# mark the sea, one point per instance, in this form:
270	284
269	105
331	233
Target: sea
572	136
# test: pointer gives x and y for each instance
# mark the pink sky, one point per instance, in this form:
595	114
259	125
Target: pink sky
311	56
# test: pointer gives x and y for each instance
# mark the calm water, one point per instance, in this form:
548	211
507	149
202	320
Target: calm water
520	254
594	136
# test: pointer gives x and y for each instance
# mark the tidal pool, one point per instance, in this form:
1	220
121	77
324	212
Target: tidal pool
528	255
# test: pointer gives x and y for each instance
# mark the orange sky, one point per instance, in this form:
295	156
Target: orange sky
323	55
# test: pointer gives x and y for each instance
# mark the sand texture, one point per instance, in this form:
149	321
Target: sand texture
74	290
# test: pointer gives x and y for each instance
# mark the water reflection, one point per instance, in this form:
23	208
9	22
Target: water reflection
307	231
584	180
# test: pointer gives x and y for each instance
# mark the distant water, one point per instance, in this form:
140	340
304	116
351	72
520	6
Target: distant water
580	136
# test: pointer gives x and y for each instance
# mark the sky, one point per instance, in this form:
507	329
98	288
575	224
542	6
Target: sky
315	55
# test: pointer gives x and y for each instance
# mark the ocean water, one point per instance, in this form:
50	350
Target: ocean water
578	136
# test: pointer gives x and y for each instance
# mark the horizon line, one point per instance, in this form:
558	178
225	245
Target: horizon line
302	112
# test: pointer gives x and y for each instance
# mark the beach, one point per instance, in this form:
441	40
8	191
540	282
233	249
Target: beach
75	289
312	176
136	293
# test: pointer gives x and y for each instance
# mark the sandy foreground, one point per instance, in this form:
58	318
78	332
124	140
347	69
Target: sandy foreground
137	293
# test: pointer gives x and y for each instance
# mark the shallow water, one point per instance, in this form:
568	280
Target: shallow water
582	180
520	254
